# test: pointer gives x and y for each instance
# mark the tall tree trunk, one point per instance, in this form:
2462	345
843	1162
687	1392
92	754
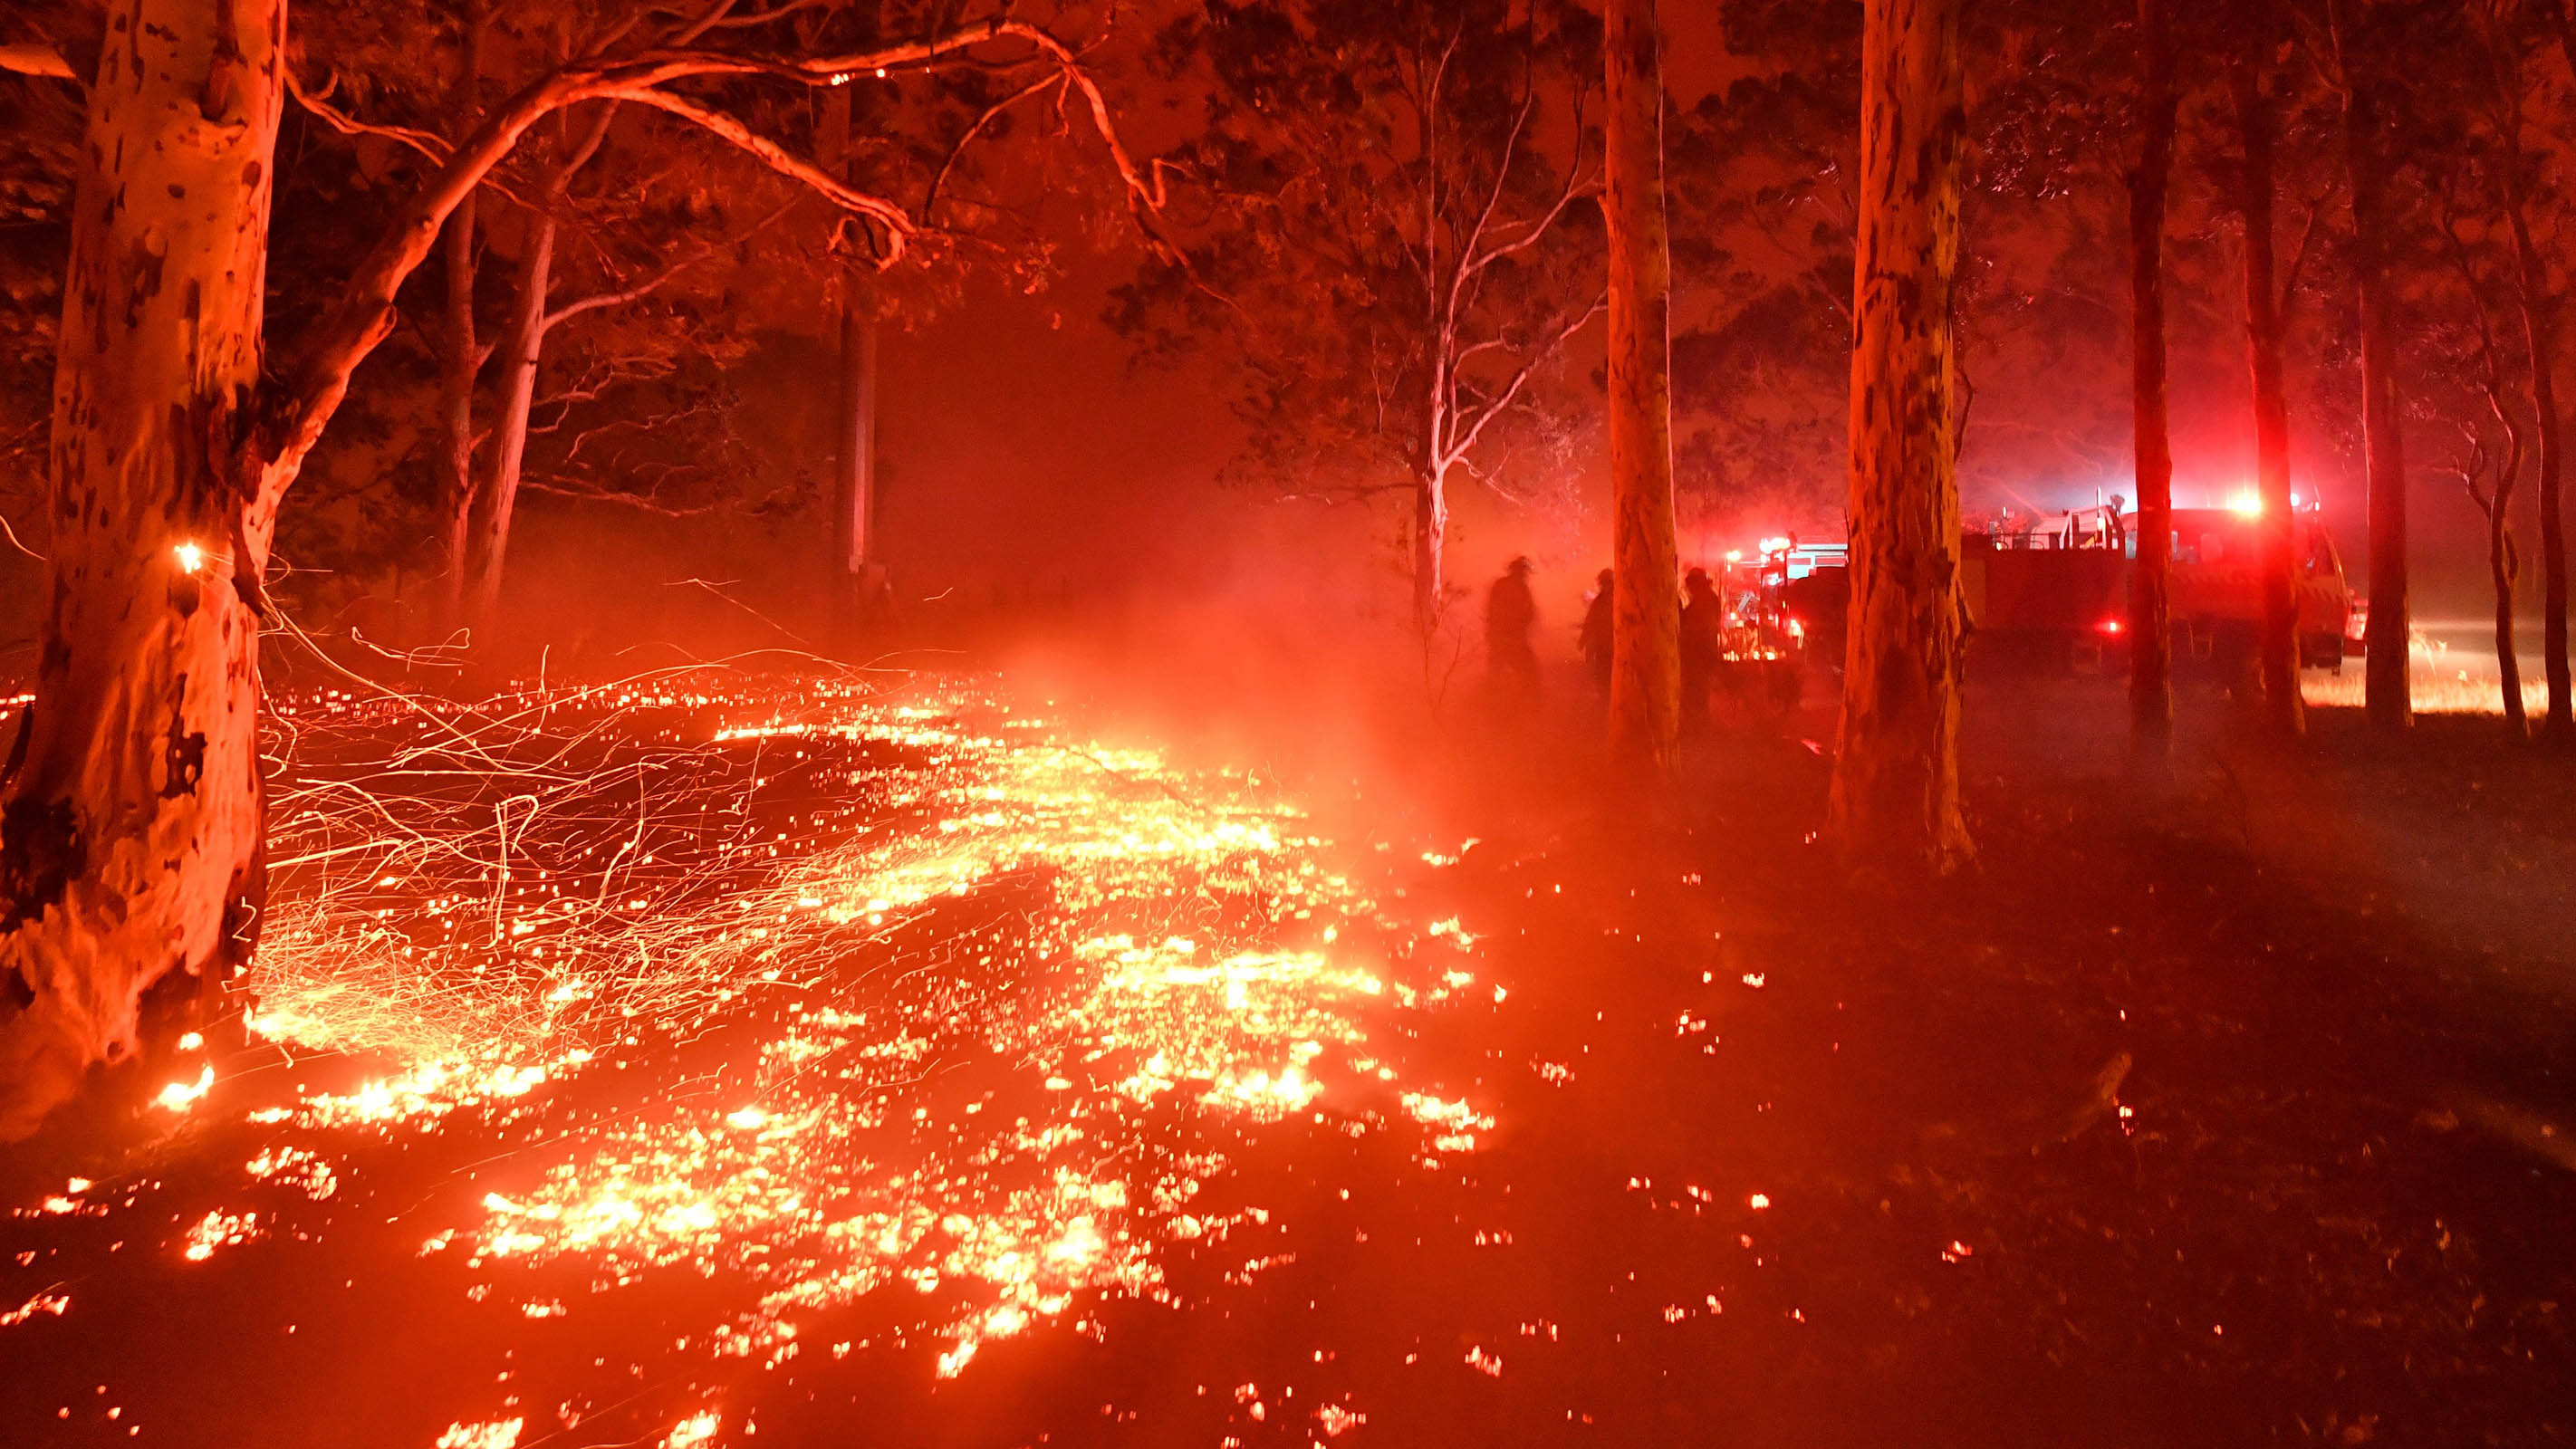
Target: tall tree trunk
1896	777
523	346
2387	690
2150	598
2540	334
2503	567
130	868
1430	535
522	350
460	353
2283	715
854	433
2500	574
1645	628
854	405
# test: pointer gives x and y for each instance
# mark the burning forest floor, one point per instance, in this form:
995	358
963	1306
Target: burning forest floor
730	1060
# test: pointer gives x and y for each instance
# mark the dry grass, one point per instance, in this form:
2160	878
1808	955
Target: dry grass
2437	690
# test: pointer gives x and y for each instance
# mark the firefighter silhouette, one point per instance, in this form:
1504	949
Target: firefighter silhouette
1703	630
1511	618
1593	640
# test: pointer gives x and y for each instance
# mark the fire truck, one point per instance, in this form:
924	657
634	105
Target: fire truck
2051	591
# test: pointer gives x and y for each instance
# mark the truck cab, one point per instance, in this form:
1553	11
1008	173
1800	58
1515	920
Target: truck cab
2217	596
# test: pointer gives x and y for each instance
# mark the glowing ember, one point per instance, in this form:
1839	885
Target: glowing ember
45	1302
220	1230
695	1429
180	1096
922	996
497	1434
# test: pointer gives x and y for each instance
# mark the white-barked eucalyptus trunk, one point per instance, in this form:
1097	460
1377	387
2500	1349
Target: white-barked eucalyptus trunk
1895	793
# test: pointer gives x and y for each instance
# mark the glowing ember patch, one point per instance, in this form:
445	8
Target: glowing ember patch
991	1131
191	558
1458	1121
491	1434
221	1230
696	1429
296	1167
45	1302
180	1096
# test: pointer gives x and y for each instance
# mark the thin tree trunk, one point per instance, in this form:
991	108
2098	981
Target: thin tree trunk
1430	533
523	347
2388	701
2500	573
854	436
522	350
2503	567
460	355
130	866
2540	334
854	405
2283	715
1645	630
1895	793
2150	599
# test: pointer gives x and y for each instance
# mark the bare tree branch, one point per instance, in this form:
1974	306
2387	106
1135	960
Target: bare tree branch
930	200
648	286
434	148
1537	356
294	416
585	493
897	222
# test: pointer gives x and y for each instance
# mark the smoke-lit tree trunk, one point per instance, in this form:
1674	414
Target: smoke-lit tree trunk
2150	598
2283	715
1430	537
2540	335
130	869
460	353
2388	699
1896	778
853	405
2502	567
522	355
522	352
854	436
1645	631
2496	503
